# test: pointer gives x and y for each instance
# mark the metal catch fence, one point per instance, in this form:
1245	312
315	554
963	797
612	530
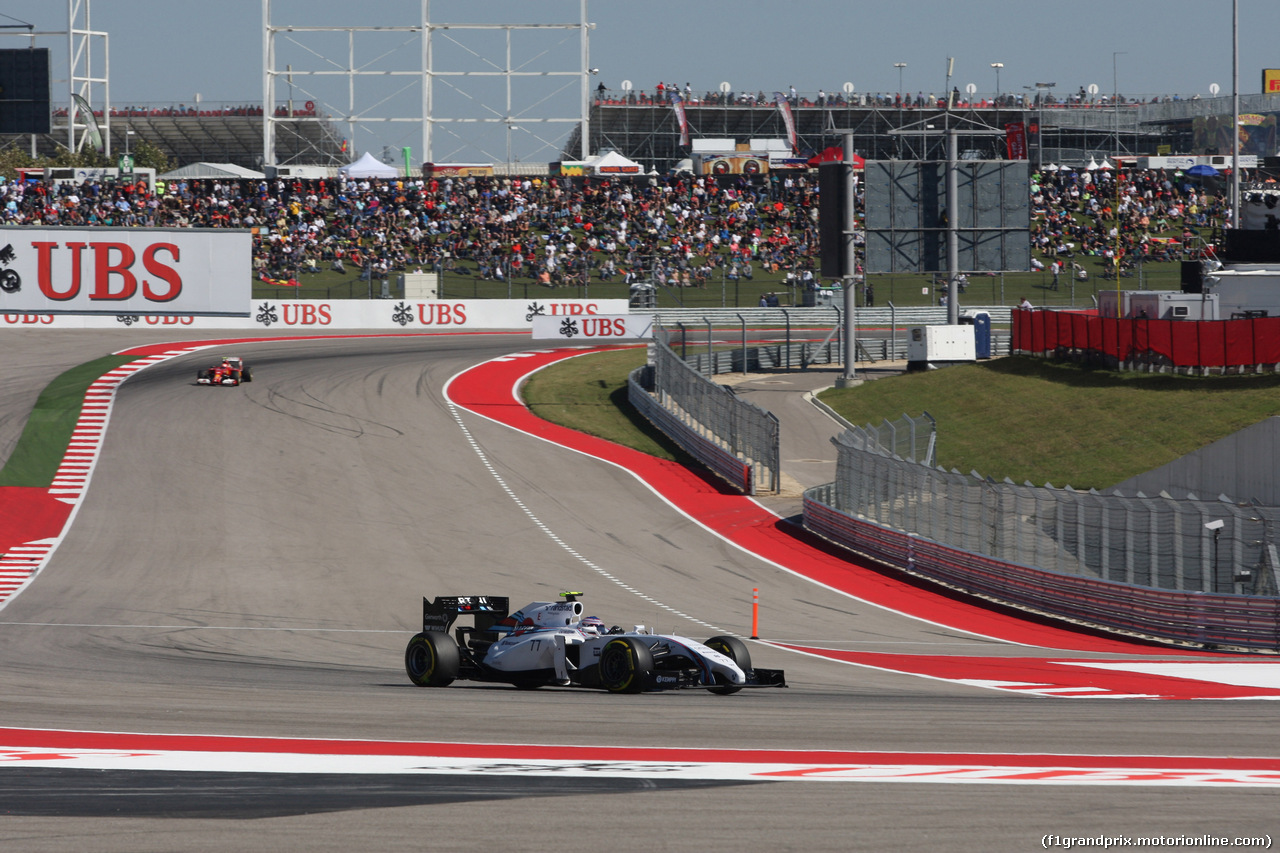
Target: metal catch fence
713	413
908	438
1212	546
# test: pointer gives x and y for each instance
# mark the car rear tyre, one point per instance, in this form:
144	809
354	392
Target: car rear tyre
432	659
736	651
625	665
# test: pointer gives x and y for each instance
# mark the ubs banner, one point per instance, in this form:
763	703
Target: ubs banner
131	271
384	314
597	327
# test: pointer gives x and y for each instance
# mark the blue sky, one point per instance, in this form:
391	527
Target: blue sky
168	50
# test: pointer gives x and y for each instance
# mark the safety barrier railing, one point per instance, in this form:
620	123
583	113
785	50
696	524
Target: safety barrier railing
737	472
1206	620
709	421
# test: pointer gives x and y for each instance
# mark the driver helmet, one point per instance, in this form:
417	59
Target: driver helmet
591	625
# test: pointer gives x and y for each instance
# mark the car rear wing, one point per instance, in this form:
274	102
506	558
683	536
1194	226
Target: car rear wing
487	610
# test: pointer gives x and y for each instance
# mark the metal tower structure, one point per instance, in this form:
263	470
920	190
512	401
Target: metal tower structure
88	75
311	43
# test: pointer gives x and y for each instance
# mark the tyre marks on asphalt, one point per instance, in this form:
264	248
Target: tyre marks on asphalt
487	389
455	410
34	520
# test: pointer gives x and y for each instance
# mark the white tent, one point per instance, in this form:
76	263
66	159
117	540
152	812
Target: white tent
368	166
613	163
211	170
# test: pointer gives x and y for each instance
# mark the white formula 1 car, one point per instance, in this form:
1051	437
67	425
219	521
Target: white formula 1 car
551	643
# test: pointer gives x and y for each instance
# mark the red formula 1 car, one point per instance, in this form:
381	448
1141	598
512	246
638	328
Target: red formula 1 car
230	371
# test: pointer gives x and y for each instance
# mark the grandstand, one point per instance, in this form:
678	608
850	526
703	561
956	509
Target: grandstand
1068	132
225	134
1058	132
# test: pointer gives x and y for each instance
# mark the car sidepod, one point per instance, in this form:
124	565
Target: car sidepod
534	656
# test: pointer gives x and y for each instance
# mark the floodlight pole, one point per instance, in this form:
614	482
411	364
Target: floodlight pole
585	34
901	98
1235	113
953	216
850	376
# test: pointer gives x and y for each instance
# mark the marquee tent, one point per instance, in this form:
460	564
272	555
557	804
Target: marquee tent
368	166
613	163
211	170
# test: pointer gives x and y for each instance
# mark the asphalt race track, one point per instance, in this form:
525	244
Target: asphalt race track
235	589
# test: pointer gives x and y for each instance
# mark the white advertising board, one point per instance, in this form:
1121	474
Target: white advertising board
158	271
384	314
599	327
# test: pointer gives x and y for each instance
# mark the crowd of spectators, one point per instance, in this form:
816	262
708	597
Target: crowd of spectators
660	95
1127	217
195	110
678	231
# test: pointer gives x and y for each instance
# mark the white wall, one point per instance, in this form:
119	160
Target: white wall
383	314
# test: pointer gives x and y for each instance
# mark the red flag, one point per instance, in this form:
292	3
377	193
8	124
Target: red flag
1015	140
678	105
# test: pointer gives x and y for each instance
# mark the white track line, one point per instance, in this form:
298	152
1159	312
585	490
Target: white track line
552	535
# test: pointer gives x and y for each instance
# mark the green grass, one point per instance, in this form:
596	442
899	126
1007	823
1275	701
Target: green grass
589	394
902	290
40	448
1026	419
1019	418
1014	417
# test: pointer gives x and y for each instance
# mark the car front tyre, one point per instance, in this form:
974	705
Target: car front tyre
736	651
625	665
432	659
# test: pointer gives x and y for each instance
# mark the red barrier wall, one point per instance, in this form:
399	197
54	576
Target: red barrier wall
1178	343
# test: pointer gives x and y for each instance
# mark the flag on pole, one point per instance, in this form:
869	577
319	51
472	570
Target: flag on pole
1015	136
788	120
678	105
91	133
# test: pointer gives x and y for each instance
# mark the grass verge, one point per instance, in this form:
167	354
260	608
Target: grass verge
1019	418
1027	419
903	290
40	448
589	394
